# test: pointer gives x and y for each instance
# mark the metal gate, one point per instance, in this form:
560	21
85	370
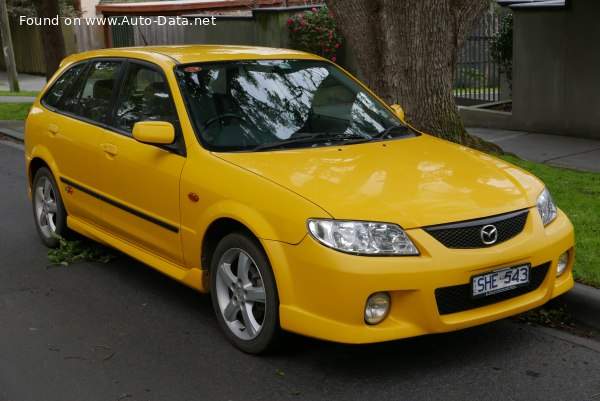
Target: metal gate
477	77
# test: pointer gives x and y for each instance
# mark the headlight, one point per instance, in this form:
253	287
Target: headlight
362	237
546	207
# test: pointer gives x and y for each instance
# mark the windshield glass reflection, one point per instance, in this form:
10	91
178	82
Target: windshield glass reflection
281	104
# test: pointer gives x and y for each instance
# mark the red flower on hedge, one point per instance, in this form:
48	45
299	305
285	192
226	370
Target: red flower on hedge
314	31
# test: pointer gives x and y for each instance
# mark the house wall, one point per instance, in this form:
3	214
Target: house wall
556	70
88	8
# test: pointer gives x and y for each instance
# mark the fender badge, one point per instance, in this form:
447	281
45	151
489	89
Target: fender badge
69	189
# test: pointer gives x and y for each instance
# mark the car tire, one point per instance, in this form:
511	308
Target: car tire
244	293
49	212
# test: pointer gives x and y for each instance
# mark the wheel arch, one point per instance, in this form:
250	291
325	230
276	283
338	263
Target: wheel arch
36	164
40	157
216	231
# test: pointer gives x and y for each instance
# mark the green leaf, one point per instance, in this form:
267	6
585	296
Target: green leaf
78	251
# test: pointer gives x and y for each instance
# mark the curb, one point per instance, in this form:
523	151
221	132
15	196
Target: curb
15	134
583	304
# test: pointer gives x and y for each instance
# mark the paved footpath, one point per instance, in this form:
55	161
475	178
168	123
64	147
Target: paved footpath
27	82
562	151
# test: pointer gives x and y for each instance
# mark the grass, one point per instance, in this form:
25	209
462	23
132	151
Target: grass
21	93
576	193
14	111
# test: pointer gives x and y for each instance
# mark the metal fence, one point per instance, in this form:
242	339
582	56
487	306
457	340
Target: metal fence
477	77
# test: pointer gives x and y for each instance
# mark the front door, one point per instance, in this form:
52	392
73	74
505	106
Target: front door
140	182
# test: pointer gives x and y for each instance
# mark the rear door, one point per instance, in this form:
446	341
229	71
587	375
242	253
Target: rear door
140	182
80	102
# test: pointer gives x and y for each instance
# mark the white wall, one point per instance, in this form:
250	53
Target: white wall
88	8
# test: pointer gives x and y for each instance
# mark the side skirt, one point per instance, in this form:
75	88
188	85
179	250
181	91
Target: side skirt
194	278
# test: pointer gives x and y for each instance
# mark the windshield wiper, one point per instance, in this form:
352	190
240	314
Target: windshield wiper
306	137
385	132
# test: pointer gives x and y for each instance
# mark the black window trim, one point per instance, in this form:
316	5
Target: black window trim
178	147
86	66
89	61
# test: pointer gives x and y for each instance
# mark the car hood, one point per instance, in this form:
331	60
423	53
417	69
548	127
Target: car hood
413	182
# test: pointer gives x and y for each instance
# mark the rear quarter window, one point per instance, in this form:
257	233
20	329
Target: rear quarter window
61	86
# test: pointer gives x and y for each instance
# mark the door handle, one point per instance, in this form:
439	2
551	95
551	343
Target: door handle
53	129
109	148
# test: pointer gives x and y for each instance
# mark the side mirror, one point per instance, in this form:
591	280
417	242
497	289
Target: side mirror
399	111
154	132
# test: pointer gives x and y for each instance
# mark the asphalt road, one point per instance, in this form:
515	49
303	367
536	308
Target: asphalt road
122	331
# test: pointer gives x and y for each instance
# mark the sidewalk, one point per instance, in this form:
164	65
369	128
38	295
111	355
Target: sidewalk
582	302
27	82
562	151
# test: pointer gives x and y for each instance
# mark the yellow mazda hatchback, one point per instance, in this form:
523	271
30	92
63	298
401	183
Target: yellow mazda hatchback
281	185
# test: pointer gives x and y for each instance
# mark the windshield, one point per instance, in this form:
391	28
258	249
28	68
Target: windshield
280	104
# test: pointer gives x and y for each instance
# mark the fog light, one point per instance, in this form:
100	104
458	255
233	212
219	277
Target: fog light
563	260
377	307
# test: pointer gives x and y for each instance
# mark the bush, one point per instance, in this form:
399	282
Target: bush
466	78
315	32
501	47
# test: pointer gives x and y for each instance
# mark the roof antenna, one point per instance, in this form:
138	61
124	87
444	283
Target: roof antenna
143	37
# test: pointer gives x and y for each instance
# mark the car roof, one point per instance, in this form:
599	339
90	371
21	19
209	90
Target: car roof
183	54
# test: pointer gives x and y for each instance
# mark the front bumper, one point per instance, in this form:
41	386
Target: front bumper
323	292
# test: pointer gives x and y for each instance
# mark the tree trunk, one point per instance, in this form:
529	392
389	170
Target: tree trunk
407	51
9	55
52	37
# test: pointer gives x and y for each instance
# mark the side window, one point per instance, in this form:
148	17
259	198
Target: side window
145	97
90	98
62	85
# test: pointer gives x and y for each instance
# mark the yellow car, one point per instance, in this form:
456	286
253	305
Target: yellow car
284	187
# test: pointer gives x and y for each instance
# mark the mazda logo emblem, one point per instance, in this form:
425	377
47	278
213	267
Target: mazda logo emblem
489	234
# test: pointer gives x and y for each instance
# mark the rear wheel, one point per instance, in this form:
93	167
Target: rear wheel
48	209
244	293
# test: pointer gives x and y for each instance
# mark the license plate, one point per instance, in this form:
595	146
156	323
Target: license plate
498	281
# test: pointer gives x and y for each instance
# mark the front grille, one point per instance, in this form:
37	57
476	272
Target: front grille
467	234
458	298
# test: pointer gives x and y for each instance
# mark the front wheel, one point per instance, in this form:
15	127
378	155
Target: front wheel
48	209
244	293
